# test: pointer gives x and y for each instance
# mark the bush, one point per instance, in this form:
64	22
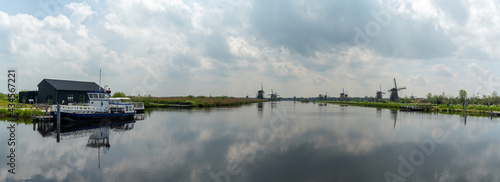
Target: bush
4	113
119	94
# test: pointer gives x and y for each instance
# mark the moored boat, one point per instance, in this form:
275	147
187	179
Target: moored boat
99	107
138	106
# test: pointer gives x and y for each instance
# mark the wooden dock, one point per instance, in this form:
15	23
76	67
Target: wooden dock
42	118
494	114
414	108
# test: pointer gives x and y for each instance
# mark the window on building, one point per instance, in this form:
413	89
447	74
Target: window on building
70	98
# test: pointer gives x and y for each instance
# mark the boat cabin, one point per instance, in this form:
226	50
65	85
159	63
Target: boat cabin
100	100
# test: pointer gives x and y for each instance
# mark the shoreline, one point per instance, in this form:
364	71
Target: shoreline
191	101
472	110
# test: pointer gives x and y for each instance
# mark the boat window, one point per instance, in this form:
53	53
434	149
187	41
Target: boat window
91	96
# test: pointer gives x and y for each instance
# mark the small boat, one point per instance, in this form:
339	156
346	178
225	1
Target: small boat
99	107
138	106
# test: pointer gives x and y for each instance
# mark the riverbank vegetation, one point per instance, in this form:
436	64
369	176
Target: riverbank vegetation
22	112
5	113
438	103
192	101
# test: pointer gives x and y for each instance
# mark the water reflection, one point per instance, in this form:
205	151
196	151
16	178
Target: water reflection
81	129
274	104
251	143
96	131
394	116
260	109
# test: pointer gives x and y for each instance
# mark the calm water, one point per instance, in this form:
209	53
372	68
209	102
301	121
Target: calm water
283	141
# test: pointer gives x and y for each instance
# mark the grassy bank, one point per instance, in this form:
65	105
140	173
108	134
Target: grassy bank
4	103
21	115
191	101
440	108
386	105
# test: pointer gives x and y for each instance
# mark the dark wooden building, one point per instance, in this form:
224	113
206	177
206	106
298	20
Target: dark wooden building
56	91
28	97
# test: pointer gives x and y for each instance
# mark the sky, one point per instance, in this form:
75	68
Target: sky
229	47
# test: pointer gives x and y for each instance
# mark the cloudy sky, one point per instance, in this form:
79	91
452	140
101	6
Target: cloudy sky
219	47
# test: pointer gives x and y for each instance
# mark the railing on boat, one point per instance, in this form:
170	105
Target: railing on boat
76	109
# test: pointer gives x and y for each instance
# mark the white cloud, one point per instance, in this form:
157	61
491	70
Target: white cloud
442	70
224	42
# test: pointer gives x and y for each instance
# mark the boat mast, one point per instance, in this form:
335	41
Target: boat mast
99	79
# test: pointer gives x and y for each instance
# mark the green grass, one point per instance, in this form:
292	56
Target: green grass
4	103
191	101
393	105
20	115
441	108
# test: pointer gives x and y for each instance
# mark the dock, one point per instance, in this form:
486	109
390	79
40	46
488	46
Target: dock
494	114
415	108
42	117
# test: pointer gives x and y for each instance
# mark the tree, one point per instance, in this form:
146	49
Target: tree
462	94
320	97
119	94
429	95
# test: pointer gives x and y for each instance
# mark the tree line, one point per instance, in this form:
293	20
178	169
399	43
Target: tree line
463	97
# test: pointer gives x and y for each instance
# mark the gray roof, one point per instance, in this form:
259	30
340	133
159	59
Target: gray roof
72	85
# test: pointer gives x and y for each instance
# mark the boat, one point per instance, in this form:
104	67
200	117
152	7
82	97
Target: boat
99	107
138	106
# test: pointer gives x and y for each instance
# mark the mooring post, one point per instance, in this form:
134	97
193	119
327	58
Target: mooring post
58	122
490	112
465	109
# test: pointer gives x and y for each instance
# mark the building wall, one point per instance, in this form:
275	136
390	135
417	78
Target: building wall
77	96
45	90
24	96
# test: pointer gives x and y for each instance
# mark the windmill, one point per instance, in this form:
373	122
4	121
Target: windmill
260	93
394	91
326	96
379	94
274	95
343	95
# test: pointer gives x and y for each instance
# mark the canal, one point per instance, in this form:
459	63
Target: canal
272	141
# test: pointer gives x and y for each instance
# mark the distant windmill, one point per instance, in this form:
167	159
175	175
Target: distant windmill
394	91
260	93
343	95
326	96
274	95
379	94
